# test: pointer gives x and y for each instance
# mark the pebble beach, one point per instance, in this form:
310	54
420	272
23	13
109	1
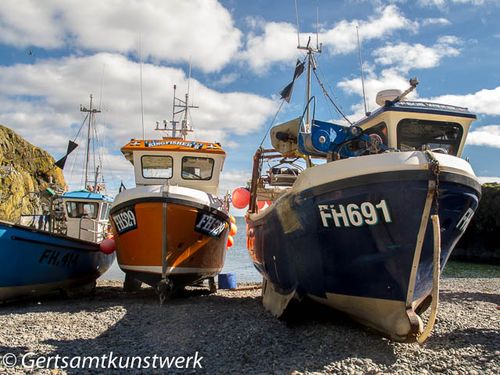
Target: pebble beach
230	332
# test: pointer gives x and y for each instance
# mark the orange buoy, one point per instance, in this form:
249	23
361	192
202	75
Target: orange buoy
233	229
240	197
230	241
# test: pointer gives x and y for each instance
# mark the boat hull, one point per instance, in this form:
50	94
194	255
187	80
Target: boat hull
350	243
193	254
35	262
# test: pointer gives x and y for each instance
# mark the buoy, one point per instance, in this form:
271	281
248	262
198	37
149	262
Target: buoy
233	229
230	241
241	197
261	204
107	246
227	281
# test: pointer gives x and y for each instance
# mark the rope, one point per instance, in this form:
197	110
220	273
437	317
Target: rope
435	281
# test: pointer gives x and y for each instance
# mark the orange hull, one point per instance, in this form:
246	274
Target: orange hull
196	238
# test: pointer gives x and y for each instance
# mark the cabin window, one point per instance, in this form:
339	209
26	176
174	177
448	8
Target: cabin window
77	210
155	166
196	168
416	134
105	211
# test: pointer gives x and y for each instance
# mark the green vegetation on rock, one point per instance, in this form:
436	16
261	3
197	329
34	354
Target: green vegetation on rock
481	241
24	169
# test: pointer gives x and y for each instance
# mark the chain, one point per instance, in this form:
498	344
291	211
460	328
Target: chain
435	168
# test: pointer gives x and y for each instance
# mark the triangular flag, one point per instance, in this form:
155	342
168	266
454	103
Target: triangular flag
71	147
286	93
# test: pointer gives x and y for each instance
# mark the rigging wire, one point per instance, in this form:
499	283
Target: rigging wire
330	99
272	123
329	88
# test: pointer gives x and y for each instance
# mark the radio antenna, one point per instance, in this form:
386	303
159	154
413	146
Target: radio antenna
317	27
362	72
140	70
297	17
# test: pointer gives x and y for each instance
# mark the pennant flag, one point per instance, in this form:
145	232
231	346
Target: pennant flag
286	93
71	147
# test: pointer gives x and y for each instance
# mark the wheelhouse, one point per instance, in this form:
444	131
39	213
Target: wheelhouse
87	214
176	161
409	125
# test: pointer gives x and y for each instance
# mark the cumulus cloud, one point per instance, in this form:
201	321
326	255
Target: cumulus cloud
164	28
486	179
435	21
483	101
342	39
44	98
444	3
485	136
406	56
387	79
275	42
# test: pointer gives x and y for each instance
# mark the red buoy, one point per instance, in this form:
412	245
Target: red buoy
107	246
230	241
241	197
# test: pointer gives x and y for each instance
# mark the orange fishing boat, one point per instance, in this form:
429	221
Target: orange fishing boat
171	230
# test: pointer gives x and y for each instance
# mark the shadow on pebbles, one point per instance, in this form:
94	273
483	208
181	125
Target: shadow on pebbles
230	332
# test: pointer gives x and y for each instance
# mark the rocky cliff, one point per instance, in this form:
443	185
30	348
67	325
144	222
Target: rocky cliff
24	168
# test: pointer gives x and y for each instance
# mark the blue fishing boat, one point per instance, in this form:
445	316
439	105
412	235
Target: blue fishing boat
363	217
63	248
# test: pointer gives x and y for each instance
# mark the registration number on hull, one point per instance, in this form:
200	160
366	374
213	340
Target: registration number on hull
125	219
209	224
366	213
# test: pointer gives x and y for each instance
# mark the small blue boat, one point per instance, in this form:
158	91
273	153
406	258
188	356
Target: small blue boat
63	248
36	262
363	218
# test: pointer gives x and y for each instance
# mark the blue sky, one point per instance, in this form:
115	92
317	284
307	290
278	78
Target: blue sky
53	54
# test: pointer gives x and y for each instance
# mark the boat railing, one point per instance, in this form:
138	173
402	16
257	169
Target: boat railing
431	105
97	233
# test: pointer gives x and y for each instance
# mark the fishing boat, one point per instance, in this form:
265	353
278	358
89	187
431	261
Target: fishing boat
171	230
63	248
362	217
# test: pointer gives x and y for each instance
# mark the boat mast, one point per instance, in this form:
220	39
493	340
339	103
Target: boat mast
178	106
310	64
91	111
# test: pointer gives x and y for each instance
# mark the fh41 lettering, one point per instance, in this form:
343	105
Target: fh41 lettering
367	213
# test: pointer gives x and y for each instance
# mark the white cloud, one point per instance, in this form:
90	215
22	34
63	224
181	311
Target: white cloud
435	21
483	101
406	56
444	3
485	136
388	79
166	26
278	41
486	179
342	38
41	102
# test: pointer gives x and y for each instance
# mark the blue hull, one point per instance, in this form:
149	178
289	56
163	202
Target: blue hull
34	262
298	246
